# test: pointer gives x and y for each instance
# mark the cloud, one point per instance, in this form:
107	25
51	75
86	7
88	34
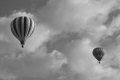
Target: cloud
3	38
40	36
68	16
33	65
11	49
18	62
61	46
7	76
86	18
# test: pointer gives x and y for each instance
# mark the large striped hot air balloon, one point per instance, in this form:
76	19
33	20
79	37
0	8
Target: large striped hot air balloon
22	27
98	53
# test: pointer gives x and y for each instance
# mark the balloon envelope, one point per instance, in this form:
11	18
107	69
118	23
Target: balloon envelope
98	53
22	27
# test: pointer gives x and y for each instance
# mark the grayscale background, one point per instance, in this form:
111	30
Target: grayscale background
66	32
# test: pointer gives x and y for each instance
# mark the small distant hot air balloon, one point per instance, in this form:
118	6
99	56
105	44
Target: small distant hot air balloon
22	27
98	53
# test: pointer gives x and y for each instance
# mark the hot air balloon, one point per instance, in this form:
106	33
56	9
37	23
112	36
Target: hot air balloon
98	53
22	28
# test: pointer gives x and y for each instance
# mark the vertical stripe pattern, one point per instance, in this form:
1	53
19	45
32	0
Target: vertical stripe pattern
31	29
22	27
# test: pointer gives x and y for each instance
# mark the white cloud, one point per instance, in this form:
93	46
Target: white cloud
40	36
3	38
7	76
65	16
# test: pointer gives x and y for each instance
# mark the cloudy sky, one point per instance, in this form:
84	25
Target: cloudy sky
66	32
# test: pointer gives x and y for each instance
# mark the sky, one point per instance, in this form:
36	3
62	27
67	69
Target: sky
66	32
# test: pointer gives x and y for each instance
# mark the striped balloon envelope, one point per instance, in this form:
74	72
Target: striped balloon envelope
22	28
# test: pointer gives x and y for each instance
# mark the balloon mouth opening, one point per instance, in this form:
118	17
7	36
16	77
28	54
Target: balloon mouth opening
99	62
22	43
